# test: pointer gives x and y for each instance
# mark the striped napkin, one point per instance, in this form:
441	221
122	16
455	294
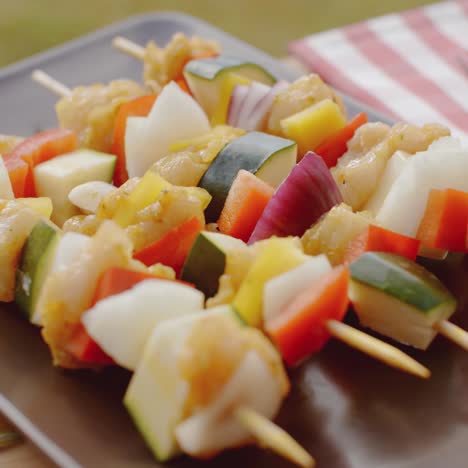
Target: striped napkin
411	65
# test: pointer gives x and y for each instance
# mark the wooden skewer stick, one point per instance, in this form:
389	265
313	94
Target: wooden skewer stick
453	333
268	434
376	348
50	83
128	47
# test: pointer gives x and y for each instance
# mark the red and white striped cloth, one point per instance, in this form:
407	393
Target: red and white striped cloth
411	65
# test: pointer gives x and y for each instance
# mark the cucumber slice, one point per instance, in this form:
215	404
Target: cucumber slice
398	298
206	77
34	266
206	261
269	157
57	177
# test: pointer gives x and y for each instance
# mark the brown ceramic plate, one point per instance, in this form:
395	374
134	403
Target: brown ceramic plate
348	410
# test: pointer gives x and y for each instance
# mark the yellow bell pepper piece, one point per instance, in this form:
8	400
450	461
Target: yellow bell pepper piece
277	256
41	205
312	125
229	82
146	192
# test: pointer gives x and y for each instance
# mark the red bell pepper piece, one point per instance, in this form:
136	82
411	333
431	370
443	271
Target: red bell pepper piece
117	280
17	171
85	349
444	224
173	248
34	150
244	205
378	239
301	329
138	107
336	145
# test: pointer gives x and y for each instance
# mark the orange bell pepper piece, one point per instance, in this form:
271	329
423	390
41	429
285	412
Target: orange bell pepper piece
244	205
445	220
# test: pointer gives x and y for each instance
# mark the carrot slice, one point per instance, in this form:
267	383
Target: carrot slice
445	220
173	248
301	329
333	147
244	205
378	239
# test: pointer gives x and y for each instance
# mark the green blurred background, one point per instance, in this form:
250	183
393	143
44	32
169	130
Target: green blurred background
29	26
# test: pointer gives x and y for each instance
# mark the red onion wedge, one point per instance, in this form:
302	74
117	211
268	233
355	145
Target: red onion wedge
257	92
306	194
257	118
239	93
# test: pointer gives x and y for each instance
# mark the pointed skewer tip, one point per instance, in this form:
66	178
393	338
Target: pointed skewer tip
129	47
270	435
376	348
50	83
453	332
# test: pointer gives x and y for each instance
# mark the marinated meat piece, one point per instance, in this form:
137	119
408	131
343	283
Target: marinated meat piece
161	65
187	166
90	111
174	206
359	170
16	223
334	231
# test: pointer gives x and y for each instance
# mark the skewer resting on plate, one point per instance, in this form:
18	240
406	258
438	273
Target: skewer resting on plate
376	348
129	47
50	83
453	332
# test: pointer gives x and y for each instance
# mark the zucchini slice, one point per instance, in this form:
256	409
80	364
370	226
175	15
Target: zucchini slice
398	298
58	176
35	262
206	78
269	157
207	259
